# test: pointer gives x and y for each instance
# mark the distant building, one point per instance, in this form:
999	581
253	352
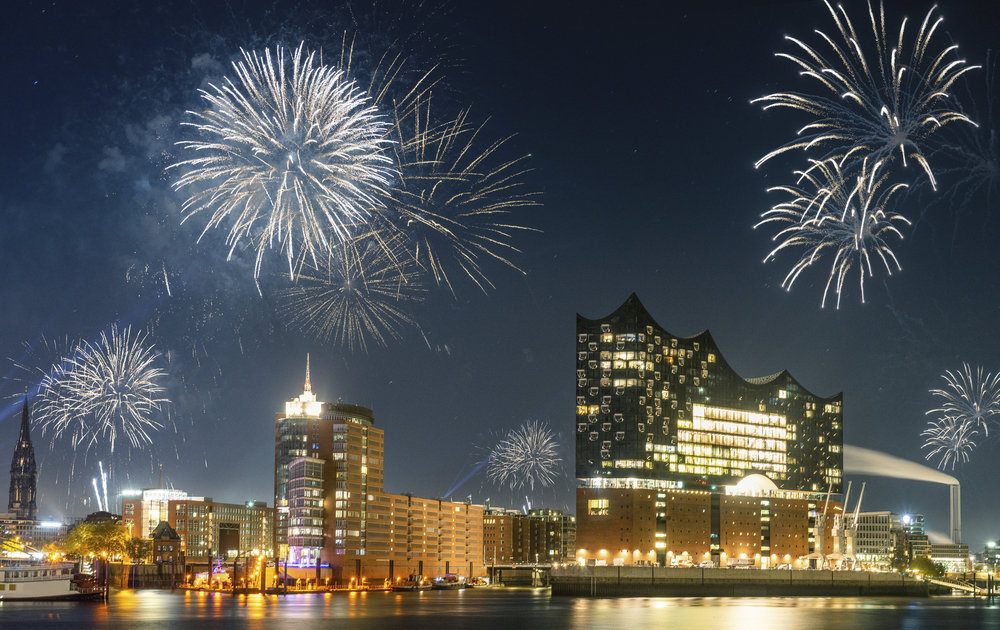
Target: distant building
880	539
918	544
23	473
34	534
666	432
207	529
166	543
143	510
991	554
540	536
954	557
335	521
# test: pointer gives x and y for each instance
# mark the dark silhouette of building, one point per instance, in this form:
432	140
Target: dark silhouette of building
23	473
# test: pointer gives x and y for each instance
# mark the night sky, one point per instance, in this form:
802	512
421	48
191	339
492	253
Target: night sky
639	131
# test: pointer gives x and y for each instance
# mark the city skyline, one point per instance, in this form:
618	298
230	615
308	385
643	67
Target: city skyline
639	133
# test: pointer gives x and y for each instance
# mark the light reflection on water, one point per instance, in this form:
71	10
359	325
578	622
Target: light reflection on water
518	609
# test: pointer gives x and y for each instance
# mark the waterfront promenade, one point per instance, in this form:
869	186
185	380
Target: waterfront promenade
631	581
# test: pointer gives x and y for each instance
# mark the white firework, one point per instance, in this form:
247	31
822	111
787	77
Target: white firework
102	392
525	456
837	216
294	157
878	107
970	398
950	439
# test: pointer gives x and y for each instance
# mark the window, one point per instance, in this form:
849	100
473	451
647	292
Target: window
598	507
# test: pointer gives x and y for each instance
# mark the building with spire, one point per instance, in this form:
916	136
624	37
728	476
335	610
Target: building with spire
334	521
343	436
23	473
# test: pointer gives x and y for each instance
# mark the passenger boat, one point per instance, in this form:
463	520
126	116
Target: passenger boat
412	583
27	582
449	583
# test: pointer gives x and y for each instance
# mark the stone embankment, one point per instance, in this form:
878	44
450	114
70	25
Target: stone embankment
630	581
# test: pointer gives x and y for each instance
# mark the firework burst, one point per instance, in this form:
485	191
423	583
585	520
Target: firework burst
525	456
882	107
841	216
102	392
950	439
970	398
357	294
453	200
295	157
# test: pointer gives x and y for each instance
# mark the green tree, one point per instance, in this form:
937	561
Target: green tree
78	541
108	539
926	566
139	550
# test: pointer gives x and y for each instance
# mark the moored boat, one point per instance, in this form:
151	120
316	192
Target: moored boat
412	583
28	582
449	583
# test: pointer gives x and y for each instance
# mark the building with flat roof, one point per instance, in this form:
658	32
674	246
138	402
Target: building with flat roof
207	528
666	431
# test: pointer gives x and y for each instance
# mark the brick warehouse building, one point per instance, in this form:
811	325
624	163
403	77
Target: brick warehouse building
680	459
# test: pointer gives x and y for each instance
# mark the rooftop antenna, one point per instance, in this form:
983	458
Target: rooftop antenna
308	384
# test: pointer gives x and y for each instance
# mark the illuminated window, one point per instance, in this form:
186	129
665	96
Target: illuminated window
598	507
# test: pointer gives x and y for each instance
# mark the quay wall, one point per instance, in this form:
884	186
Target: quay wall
632	581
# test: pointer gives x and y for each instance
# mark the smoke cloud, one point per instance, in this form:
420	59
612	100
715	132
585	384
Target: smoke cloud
863	461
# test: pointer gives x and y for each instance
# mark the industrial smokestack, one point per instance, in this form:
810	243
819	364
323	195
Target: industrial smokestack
956	514
865	461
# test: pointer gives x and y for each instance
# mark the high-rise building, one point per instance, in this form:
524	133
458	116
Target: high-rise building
663	420
345	438
23	473
336	523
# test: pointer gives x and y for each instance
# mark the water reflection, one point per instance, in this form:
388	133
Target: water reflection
518	609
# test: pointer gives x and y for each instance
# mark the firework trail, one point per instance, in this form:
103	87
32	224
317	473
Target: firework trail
355	296
103	391
97	494
951	439
841	216
453	200
877	107
525	456
294	152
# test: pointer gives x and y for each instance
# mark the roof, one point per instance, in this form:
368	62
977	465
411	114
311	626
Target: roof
164	531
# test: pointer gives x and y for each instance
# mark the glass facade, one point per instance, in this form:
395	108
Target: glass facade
654	410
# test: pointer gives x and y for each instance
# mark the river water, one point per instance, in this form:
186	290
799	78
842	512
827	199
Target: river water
507	608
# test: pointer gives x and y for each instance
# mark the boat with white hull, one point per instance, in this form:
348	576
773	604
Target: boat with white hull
26	582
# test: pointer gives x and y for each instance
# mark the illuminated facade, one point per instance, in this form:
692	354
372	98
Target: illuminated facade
661	418
659	411
143	510
336	523
206	528
345	438
542	536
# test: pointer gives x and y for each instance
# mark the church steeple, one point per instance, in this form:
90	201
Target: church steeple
23	472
